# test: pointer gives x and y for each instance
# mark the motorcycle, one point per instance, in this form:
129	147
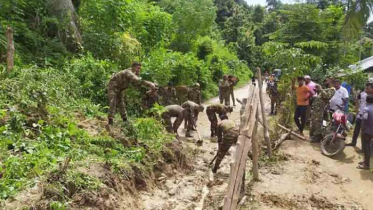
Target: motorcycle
335	134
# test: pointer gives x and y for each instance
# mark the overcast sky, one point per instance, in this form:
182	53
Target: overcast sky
263	3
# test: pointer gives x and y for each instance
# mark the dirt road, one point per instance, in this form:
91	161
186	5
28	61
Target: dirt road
303	179
186	191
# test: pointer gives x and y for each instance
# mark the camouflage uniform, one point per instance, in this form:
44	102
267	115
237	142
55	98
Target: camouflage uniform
224	95
175	111
181	94
196	109
273	94
232	82
320	101
194	94
211	112
167	95
117	84
227	133
149	99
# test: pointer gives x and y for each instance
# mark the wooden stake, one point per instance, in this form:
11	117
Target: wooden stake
242	149
255	149
10	50
264	116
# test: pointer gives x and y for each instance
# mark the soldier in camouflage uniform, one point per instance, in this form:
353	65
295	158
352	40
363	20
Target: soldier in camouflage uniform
190	123
167	95
232	82
273	94
194	93
224	88
211	112
120	82
149	99
181	94
227	133
320	101
180	113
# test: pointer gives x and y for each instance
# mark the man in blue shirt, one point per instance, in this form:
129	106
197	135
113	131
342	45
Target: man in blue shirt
348	88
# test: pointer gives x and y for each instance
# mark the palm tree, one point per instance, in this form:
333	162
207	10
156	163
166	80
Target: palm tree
356	17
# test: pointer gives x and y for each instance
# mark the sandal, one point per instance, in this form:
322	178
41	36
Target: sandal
363	166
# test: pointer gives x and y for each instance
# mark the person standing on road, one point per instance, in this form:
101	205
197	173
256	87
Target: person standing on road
227	133
120	82
360	106
224	88
340	98
303	96
349	90
194	93
312	86
273	95
367	132
320	101
232	82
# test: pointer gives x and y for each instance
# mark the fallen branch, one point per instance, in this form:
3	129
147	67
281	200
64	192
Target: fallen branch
292	132
282	139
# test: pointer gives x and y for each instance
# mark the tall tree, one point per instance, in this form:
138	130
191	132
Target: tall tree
69	34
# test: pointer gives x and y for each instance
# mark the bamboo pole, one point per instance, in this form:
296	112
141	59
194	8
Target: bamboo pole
264	116
282	139
10	50
292	132
243	146
255	149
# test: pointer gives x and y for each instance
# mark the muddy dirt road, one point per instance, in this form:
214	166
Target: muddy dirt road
302	179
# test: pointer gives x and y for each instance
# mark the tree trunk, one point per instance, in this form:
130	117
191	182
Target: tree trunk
10	50
65	12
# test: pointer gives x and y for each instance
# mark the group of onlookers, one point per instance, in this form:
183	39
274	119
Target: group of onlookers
334	96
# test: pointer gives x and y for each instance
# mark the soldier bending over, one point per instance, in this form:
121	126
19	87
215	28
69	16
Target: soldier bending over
190	123
180	113
211	112
227	133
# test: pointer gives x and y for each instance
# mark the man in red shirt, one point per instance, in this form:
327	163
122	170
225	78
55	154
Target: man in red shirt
303	101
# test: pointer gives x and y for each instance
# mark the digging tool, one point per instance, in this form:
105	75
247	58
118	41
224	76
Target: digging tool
199	137
213	159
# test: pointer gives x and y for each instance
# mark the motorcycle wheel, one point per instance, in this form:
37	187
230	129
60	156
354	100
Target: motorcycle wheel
330	147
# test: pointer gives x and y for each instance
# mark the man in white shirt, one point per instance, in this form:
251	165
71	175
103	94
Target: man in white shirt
340	98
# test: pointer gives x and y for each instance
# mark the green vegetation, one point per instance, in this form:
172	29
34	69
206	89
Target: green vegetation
66	51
